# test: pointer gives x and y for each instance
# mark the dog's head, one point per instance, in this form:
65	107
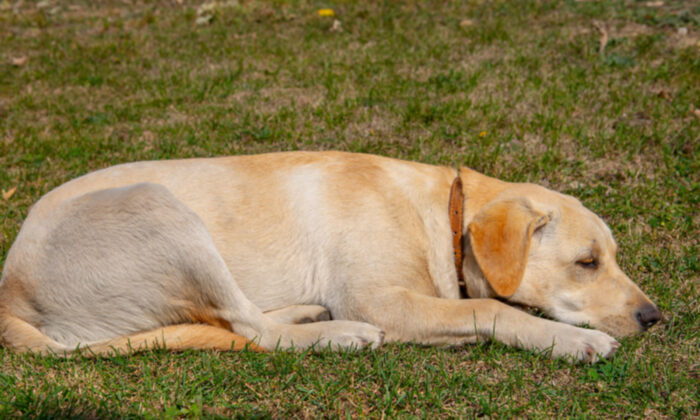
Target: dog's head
539	248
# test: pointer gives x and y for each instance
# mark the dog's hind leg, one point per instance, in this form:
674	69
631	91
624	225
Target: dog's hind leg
174	337
248	320
24	337
204	277
221	299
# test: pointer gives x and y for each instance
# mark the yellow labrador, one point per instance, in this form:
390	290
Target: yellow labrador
203	253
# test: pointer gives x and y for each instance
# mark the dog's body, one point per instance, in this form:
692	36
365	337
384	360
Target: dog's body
151	251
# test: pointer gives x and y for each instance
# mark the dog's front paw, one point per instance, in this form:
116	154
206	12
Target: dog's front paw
584	345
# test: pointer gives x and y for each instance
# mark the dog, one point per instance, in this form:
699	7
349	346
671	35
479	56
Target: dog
302	249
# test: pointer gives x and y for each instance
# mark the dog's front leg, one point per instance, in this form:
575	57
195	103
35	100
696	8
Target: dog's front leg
406	315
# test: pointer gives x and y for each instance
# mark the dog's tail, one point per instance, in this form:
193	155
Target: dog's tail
23	337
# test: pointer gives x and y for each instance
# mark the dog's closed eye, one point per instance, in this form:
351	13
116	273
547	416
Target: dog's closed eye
590	263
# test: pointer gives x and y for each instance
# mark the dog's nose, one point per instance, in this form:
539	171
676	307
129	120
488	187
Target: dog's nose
648	316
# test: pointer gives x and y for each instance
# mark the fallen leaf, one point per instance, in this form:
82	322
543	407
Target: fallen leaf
696	111
206	11
654	4
576	184
600	26
336	27
326	12
688	148
19	61
9	193
664	93
204	19
466	22
206	8
43	4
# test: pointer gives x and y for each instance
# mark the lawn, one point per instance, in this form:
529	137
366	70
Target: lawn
598	99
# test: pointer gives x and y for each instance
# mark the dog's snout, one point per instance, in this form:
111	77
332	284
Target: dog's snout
648	315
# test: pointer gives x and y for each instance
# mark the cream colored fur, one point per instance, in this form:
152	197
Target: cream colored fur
142	254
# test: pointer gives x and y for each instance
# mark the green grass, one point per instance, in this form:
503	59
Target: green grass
523	93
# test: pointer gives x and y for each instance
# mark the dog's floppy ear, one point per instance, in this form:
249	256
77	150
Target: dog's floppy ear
500	237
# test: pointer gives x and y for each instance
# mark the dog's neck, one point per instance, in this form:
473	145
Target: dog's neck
479	190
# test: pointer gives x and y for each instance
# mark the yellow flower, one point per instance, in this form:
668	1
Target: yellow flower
326	12
482	134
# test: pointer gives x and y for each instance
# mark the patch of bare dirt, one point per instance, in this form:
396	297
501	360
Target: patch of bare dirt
381	123
271	100
632	30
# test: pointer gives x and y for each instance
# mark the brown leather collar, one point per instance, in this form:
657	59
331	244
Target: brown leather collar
456	210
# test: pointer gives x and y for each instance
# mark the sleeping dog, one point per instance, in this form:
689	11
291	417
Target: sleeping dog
312	248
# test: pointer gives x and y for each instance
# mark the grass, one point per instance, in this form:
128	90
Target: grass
521	91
